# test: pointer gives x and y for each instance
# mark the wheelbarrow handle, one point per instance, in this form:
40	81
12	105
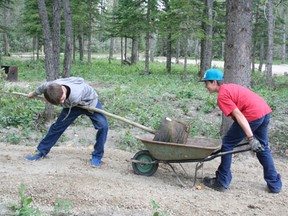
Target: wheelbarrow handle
219	153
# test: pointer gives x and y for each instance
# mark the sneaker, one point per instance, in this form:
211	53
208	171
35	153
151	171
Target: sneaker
35	155
214	184
274	190
95	162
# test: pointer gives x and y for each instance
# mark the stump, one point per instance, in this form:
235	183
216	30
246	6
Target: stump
172	131
11	72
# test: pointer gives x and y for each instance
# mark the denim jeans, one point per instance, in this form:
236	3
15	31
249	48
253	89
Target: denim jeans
234	136
99	122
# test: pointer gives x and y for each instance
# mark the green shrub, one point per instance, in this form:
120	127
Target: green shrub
24	208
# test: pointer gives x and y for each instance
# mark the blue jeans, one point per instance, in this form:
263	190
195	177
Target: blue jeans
234	136
99	122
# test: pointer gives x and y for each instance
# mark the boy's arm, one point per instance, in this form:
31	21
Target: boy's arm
242	121
39	90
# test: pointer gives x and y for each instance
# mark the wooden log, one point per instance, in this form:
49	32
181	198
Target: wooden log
172	131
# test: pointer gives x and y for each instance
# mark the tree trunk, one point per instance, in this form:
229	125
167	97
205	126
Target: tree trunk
48	50
37	47
161	46
270	46
111	48
68	39
134	52
152	47
237	60
262	53
125	49
74	48
186	37
169	53
56	36
121	50
147	42
112	39
89	42
185	56
81	45
33	47
178	51
284	35
255	39
6	46
206	43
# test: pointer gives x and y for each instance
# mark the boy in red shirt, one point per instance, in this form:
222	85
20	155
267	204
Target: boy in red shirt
251	115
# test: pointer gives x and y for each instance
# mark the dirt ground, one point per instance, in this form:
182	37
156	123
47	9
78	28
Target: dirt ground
114	189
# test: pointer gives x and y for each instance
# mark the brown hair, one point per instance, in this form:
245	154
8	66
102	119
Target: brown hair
219	82
53	93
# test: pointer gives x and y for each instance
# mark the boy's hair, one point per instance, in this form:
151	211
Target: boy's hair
53	93
219	82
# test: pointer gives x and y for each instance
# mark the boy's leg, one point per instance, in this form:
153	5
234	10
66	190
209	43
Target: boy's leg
100	123
233	136
56	129
271	176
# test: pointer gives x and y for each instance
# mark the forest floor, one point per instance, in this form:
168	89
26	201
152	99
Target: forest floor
113	189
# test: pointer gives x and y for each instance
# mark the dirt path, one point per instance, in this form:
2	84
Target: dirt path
115	190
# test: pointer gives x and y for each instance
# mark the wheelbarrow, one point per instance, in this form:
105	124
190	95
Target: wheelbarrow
197	149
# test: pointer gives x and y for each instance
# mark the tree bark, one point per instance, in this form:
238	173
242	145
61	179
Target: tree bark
112	39
89	45
125	48
48	50
74	48
121	50
284	35
68	39
134	52
237	60
81	45
152	47
56	36
169	53
206	43
111	48
178	50
255	39
147	38
6	46
270	46
262	53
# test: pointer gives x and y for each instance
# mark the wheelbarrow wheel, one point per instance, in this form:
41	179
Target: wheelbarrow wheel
141	168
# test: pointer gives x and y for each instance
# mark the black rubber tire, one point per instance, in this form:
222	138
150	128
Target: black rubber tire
144	169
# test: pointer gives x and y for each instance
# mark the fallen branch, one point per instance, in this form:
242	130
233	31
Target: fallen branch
94	110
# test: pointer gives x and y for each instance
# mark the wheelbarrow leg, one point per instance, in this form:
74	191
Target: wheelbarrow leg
199	165
183	169
182	184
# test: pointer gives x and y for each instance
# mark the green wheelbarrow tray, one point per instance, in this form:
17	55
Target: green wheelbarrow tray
195	148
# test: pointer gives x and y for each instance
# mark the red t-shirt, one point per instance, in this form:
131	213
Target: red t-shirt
232	96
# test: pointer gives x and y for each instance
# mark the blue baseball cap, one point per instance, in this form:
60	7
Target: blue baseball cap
212	74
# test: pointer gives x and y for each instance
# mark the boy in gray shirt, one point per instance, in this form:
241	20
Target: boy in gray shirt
70	93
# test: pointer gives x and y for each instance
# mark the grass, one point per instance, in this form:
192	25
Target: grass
145	99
